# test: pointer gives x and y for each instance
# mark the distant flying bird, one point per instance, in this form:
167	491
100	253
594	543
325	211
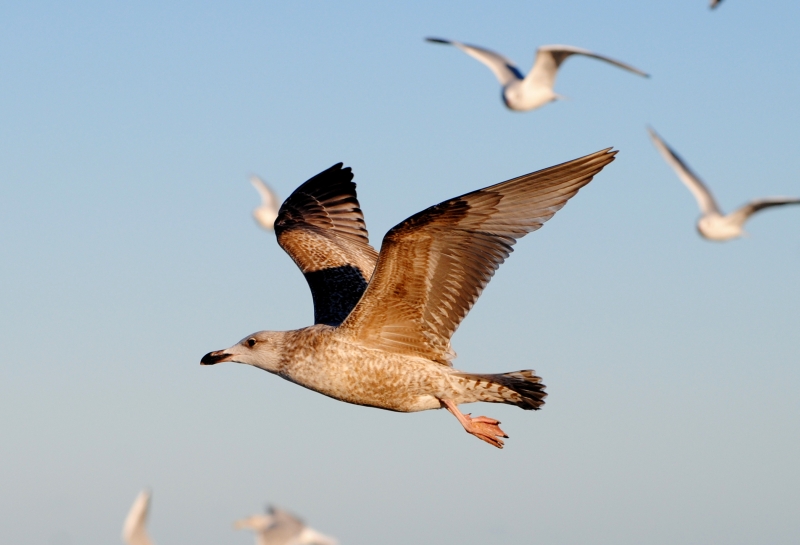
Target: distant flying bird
533	91
713	225
278	527
382	338
265	214
134	531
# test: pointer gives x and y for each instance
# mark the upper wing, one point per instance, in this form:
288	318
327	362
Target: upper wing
504	70
267	213
133	530
704	197
322	228
742	214
715	3
434	265
550	57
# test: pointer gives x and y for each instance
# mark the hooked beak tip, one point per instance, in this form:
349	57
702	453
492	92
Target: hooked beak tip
214	357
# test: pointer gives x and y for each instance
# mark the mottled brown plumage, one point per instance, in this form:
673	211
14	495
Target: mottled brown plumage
393	350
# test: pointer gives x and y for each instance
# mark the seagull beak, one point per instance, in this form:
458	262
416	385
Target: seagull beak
215	357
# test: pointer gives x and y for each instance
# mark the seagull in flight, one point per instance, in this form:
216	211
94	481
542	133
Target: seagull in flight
383	322
713	224
134	531
279	527
522	93
265	214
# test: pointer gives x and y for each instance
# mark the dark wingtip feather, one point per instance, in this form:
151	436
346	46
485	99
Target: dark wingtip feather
438	41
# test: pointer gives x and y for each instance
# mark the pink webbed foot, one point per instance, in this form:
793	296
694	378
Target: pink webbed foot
484	428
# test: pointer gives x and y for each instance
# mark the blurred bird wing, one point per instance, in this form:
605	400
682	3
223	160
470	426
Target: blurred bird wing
322	228
134	531
269	198
550	57
312	537
705	199
743	214
504	69
434	265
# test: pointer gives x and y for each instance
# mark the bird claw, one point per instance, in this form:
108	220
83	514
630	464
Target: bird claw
486	429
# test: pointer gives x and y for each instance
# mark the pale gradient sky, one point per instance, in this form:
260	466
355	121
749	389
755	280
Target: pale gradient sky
127	132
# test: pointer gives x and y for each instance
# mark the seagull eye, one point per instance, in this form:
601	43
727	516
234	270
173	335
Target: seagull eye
251	342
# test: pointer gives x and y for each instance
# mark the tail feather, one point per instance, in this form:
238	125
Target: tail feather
521	388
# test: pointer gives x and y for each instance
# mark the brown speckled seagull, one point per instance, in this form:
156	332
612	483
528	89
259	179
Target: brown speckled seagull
383	323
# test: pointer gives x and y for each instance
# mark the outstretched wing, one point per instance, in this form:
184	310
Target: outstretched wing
134	531
267	212
504	70
743	214
434	265
705	199
322	228
550	57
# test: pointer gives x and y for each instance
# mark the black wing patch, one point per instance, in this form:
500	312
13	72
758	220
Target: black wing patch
322	228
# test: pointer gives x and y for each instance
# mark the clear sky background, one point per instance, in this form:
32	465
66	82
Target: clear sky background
127	133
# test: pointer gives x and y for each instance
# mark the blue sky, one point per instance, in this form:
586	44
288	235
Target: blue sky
127	132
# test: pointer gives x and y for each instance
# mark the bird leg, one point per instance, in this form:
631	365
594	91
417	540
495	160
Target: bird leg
484	428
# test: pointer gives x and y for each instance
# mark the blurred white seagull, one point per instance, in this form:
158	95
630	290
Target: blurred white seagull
278	527
266	214
134	531
712	224
383	323
522	93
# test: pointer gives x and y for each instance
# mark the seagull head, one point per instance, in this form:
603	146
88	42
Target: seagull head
262	349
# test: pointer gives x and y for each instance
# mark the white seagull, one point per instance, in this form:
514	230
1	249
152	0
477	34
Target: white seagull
133	530
522	93
713	225
278	527
266	214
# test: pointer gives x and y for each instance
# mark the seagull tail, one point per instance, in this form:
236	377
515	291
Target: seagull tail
521	388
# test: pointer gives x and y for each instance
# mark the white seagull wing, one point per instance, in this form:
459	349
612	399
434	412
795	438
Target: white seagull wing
265	214
743	214
134	531
312	537
504	69
550	57
704	197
